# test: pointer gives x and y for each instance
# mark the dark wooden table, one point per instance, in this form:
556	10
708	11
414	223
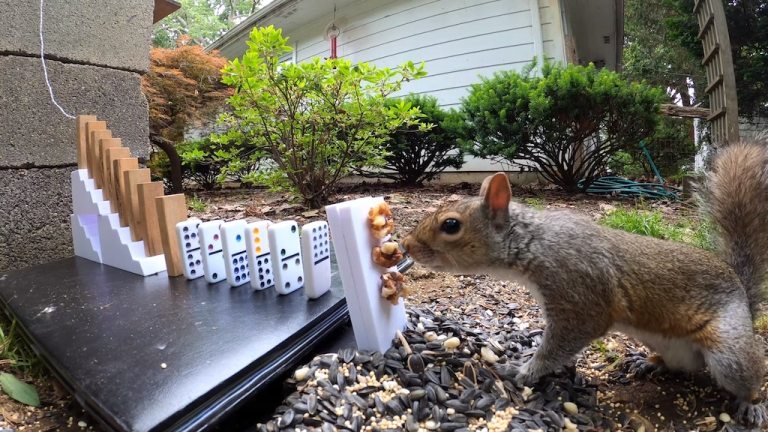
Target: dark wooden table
159	353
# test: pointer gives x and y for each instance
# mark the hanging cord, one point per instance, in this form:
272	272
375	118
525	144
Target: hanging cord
45	69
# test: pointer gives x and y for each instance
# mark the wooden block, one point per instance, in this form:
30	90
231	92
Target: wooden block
124	205
113	154
90	127
106	180
147	194
132	180
171	209
93	147
82	140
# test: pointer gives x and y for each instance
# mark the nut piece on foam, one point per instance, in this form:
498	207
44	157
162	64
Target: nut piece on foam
393	286
380	220
387	255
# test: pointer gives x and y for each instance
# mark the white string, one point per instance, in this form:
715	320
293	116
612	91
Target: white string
45	69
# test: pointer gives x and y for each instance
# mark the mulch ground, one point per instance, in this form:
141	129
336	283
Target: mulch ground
668	402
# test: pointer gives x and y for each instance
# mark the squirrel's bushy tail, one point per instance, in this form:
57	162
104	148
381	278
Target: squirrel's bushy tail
735	197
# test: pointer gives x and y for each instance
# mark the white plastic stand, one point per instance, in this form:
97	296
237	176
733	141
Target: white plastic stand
375	321
98	236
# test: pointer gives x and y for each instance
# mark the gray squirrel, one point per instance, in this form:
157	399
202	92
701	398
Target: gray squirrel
692	307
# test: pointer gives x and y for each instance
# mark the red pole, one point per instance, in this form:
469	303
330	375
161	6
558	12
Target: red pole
333	47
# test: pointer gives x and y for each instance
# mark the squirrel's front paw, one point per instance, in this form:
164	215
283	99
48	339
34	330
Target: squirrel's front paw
752	414
507	370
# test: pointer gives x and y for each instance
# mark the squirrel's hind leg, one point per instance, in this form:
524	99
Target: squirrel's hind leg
734	356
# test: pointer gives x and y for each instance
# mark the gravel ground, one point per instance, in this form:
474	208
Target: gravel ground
425	382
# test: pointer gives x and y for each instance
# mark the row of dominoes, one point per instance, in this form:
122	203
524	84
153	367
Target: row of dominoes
264	253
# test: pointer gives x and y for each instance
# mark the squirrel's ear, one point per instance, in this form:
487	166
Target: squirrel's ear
497	193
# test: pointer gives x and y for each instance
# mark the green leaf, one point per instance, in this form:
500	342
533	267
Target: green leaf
19	390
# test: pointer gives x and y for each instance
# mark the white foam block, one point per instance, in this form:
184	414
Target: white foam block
375	321
285	249
259	258
316	257
189	242
211	251
235	254
118	250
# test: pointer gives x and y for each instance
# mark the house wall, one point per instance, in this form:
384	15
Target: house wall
459	41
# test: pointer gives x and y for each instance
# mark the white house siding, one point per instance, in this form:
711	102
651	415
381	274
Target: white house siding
459	40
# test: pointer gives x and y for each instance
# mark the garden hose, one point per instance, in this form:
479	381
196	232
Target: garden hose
613	185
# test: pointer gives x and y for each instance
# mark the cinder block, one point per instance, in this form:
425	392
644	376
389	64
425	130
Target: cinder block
35	207
115	34
33	132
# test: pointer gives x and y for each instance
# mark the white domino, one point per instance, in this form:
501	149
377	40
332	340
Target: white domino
285	249
211	251
189	242
375	321
259	258
316	256
235	255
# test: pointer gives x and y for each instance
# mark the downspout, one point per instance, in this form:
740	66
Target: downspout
536	31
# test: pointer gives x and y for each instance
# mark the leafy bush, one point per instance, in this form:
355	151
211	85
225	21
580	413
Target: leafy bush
207	163
420	152
316	120
671	147
568	121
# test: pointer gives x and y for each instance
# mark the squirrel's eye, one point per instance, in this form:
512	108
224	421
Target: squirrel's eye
450	226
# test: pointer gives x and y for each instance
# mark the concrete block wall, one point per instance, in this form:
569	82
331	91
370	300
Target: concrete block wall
750	128
95	52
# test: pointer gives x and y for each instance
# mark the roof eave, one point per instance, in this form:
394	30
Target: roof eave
163	8
246	25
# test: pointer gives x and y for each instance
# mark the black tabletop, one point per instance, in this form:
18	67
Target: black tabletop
153	353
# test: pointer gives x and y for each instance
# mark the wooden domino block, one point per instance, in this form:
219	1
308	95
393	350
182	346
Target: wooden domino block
124	205
93	146
171	209
106	180
132	179
90	127
147	194
113	154
82	140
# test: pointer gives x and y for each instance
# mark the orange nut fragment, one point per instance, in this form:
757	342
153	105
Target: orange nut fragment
393	286
387	255
380	220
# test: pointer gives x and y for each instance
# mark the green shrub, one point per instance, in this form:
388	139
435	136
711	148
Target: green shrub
207	163
568	121
416	155
671	147
316	120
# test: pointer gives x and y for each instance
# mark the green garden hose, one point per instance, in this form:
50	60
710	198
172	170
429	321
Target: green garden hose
612	185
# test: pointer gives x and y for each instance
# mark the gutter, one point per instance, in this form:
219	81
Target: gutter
248	24
619	34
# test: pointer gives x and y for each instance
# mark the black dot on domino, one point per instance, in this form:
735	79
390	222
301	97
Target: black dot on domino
190	256
293	228
285	266
262	284
298	261
215	275
282	252
185	229
300	279
287	285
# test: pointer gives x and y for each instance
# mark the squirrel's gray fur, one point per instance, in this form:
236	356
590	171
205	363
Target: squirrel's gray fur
693	307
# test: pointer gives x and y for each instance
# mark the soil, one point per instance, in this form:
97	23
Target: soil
667	402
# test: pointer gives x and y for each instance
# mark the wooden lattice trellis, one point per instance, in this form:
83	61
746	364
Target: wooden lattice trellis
718	63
